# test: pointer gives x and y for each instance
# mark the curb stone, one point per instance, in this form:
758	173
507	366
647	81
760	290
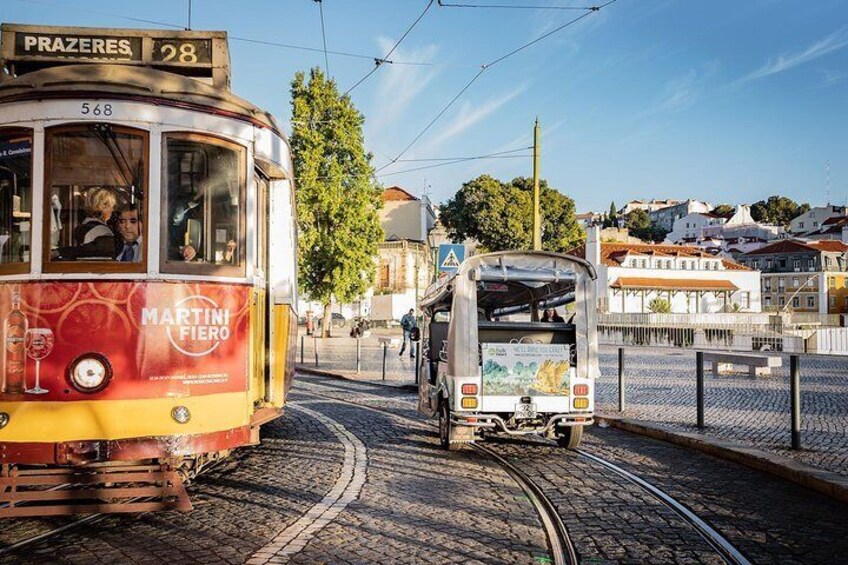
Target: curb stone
825	482
320	373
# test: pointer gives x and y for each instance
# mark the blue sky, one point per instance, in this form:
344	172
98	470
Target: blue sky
722	100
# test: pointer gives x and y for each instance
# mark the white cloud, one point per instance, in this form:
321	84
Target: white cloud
471	114
832	42
683	91
400	84
832	77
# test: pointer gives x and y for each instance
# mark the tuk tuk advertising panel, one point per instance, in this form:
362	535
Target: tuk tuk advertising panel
526	369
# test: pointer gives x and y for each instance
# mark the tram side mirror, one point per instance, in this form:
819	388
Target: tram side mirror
415	334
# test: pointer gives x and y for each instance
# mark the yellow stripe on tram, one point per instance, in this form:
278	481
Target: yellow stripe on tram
120	419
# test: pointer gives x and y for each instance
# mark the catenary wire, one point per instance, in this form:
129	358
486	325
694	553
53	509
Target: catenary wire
483	69
379	62
324	37
513	7
455	158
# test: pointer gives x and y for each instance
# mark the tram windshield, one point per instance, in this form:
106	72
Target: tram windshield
205	191
95	176
15	200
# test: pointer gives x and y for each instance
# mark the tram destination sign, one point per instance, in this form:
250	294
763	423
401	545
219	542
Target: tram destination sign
200	54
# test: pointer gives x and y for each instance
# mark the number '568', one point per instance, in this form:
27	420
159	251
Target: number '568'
96	109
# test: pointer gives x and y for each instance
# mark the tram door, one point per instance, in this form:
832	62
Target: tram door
260	334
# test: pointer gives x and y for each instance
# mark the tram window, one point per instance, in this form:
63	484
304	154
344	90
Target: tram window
96	174
15	200
203	224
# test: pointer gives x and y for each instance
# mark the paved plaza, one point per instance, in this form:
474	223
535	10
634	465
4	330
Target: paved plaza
660	388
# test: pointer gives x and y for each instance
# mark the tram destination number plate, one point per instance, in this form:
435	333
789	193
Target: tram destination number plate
525	411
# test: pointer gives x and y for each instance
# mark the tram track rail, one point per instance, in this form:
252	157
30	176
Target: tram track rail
714	539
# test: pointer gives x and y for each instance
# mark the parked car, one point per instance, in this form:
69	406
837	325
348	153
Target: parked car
339	321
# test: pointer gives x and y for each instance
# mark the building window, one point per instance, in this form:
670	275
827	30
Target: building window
811	264
782	263
767	285
16	200
794	282
832	301
755	263
796	302
811	281
683	265
845	282
769	263
815	224
781	284
204	200
768	300
801	225
811	302
831	282
826	262
796	264
846	302
746	300
781	301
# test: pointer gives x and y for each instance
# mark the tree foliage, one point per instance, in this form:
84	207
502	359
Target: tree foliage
724	210
611	218
777	210
336	198
499	215
638	223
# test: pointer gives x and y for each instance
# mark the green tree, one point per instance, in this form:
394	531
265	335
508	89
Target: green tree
777	210
723	210
638	224
611	219
500	215
336	198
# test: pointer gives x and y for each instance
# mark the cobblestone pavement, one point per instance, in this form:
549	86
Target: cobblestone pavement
419	504
416	503
660	387
612	521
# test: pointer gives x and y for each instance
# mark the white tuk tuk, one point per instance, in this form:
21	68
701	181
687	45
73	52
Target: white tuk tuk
489	365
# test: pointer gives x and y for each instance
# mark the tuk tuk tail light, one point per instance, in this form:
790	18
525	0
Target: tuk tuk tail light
469	388
581	403
581	390
469	402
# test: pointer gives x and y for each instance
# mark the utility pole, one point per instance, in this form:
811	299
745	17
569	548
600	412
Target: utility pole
537	219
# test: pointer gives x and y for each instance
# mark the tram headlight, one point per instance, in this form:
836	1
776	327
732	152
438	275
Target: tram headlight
4	420
181	414
90	372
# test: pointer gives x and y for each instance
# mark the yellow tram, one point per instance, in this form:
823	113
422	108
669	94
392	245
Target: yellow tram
147	267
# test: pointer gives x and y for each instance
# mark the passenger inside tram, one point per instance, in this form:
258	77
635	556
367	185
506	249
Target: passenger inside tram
130	229
94	238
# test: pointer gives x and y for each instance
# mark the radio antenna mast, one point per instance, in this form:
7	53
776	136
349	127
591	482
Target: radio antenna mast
188	28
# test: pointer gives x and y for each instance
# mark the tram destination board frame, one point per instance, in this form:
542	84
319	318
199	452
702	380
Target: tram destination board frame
198	54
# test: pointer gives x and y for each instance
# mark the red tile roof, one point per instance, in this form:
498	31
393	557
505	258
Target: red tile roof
612	252
673	284
396	193
795	246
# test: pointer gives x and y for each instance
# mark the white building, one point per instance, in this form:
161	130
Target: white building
630	276
688	228
733	235
814	218
665	217
646	205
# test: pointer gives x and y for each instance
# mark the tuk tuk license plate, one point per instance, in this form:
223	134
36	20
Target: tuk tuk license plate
525	411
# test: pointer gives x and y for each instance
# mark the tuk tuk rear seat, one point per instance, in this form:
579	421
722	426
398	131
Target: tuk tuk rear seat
506	332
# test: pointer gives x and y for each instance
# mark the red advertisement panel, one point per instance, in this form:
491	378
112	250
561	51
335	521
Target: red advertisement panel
159	339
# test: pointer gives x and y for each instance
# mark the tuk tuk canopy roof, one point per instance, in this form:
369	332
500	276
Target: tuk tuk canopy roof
506	281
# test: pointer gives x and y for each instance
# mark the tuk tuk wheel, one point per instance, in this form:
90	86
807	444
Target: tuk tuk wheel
570	437
446	428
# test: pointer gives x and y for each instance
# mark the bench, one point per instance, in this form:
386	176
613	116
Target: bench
757	364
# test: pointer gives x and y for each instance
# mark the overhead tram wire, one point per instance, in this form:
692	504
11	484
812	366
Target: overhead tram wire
513	7
379	62
499	153
484	68
324	37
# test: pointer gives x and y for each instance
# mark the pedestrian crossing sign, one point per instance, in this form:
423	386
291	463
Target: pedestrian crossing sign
450	257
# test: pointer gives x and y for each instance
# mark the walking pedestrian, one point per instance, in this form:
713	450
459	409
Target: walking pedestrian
407	323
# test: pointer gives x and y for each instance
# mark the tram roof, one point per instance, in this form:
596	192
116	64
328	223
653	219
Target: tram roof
131	83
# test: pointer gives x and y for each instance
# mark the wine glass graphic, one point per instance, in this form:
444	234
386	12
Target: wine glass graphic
38	344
